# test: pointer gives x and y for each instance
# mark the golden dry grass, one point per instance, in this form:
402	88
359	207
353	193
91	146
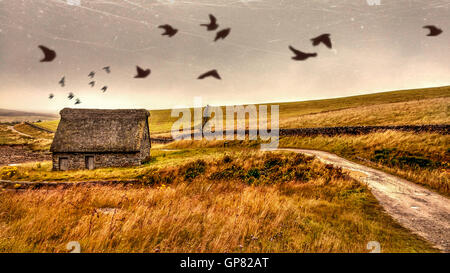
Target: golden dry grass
403	145
202	216
430	111
416	106
35	133
39	140
9	137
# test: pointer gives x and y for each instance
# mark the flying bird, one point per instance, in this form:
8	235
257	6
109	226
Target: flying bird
168	30
301	56
141	73
104	88
434	31
211	73
91	75
50	96
92	83
62	82
77	101
212	23
324	38
49	54
106	68
222	34
71	95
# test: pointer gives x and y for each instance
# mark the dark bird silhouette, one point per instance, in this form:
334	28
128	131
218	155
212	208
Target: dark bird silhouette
104	88
92	83
141	73
49	54
71	95
106	68
301	56
62	82
324	38
50	96
91	75
222	34
77	101
168	30
434	31
211	73
212	23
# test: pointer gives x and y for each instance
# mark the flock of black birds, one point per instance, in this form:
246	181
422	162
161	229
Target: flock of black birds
50	55
62	81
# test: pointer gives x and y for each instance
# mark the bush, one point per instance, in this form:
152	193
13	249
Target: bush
254	172
272	161
194	169
227	159
229	173
395	158
303	173
8	172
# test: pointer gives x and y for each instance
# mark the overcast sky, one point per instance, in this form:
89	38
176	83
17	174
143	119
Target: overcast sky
376	48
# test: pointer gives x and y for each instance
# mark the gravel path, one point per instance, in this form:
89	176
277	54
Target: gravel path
424	212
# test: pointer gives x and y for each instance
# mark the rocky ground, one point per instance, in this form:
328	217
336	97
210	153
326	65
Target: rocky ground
15	154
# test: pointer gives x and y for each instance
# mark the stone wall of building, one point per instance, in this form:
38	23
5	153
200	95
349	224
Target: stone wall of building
77	161
145	145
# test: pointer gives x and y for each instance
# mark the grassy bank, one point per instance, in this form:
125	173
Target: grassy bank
420	158
236	202
42	171
429	111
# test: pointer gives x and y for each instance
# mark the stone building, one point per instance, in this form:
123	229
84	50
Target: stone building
95	138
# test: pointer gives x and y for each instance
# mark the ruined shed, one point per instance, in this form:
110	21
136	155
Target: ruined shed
97	138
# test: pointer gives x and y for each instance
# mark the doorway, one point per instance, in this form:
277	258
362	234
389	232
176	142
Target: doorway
89	160
63	163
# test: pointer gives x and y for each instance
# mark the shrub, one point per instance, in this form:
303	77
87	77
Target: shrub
227	159
303	173
8	172
194	169
229	173
272	161
254	172
302	159
393	158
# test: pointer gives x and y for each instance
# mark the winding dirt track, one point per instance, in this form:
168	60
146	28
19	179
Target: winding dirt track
424	212
17	132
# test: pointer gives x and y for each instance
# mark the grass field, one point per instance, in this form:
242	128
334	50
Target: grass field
428	111
8	137
421	158
35	139
231	202
212	197
416	106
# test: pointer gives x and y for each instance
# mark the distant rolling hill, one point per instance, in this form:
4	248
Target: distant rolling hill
7	115
414	107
